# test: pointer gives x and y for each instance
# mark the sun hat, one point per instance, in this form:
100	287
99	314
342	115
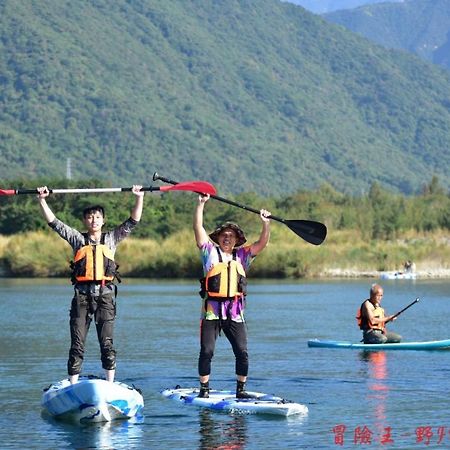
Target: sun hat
240	236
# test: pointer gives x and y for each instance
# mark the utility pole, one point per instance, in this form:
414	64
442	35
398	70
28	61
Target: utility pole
69	169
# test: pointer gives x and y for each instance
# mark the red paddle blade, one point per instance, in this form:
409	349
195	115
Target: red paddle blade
201	187
7	192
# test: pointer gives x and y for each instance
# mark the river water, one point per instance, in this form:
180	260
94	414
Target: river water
396	399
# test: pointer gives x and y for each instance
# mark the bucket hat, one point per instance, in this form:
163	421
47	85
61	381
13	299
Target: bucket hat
240	236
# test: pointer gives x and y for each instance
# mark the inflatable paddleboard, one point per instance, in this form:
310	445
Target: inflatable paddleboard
92	399
227	401
424	345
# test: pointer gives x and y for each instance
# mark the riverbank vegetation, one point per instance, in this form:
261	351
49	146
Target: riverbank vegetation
344	253
374	232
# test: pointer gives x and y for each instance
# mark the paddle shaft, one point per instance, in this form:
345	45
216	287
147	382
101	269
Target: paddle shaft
311	231
193	186
221	199
403	310
78	190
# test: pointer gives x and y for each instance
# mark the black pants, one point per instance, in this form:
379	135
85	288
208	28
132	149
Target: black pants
100	305
236	334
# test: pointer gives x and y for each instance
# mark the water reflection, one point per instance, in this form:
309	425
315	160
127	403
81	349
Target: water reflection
222	431
377	387
106	435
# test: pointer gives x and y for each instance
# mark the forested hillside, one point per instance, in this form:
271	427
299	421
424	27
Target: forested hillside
252	96
421	27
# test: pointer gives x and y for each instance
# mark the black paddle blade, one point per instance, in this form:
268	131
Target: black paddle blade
312	232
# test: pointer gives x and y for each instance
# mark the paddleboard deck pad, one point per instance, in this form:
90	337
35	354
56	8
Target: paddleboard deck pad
92	399
226	401
423	345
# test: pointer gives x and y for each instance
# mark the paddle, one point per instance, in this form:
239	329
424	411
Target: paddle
193	186
312	232
404	309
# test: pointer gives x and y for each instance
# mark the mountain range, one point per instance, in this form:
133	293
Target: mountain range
261	97
325	6
421	27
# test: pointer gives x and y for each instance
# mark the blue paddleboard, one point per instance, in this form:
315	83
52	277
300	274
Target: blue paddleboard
424	345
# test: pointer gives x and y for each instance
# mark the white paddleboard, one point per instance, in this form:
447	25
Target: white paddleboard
92	399
227	401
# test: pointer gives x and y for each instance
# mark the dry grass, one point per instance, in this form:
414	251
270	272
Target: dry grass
40	254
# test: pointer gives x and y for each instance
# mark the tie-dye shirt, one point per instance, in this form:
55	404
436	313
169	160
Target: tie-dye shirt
235	308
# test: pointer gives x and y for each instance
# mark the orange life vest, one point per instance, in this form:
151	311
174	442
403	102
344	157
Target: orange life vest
94	263
364	323
226	280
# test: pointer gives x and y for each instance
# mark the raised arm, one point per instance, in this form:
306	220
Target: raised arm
43	193
136	212
264	237
201	236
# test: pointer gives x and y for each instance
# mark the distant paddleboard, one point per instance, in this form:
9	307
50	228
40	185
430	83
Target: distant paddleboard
92	399
227	401
423	345
398	276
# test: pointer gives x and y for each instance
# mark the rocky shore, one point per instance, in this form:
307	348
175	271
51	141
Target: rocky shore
434	273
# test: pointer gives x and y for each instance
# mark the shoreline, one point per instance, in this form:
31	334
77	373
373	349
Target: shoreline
437	273
432	274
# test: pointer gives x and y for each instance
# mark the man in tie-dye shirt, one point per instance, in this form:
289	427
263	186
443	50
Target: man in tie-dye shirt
224	248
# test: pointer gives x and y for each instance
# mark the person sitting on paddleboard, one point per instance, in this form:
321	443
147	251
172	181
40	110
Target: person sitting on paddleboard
225	262
93	272
372	321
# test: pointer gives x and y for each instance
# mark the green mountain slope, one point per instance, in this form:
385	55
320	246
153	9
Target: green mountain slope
252	96
421	27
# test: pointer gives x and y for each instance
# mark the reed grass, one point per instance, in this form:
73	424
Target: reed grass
36	254
3	243
43	254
